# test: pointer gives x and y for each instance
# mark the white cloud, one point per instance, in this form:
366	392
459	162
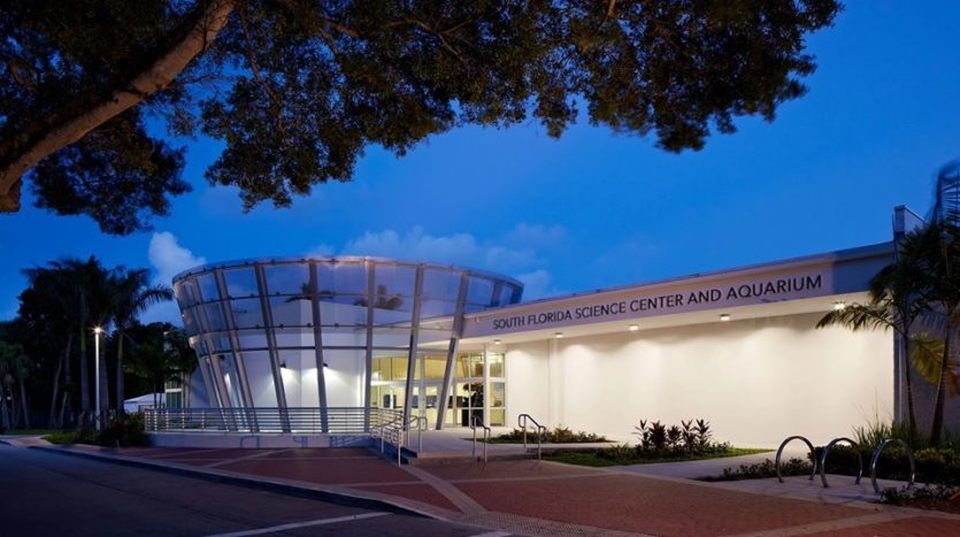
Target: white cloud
460	248
538	284
322	250
168	259
518	252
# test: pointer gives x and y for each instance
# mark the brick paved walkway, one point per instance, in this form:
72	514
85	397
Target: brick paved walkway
542	498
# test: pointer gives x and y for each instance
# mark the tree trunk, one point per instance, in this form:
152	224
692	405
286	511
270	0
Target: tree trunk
104	383
121	396
23	403
55	389
908	380
937	428
84	370
48	135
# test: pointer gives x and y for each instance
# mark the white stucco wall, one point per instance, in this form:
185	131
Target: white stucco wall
756	381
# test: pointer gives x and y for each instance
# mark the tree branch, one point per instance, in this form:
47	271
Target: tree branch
22	154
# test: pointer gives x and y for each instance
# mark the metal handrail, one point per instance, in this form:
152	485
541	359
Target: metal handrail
299	420
813	455
477	421
876	455
422	424
522	420
823	460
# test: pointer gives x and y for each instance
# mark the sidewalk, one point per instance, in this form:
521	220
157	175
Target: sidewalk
530	497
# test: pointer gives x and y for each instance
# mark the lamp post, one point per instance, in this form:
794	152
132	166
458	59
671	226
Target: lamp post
96	361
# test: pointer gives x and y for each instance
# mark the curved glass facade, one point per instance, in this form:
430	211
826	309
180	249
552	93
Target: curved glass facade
329	332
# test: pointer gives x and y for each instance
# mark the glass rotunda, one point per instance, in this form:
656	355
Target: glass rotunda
342	332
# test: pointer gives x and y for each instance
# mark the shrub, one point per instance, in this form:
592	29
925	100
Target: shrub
763	470
559	435
124	430
691	437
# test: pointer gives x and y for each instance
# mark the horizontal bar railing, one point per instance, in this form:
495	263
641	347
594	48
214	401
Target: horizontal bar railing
339	420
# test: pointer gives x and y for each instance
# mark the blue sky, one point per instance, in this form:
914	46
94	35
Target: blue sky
595	209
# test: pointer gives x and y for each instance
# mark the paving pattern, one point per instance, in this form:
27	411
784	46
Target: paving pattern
529	497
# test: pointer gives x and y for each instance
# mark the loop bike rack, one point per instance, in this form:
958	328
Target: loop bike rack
876	455
826	451
821	464
813	455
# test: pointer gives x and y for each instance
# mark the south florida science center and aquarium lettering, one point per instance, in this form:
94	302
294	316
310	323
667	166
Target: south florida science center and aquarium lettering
766	290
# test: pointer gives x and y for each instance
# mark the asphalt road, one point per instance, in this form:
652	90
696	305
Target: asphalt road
43	493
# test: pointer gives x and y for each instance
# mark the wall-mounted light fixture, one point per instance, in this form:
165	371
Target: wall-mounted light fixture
633	327
839	305
558	335
496	342
724	317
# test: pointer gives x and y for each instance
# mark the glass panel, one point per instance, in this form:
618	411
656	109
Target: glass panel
436	308
469	365
294	337
208	287
186	292
252	339
434	367
344	377
347	278
342	311
385	337
241	282
389	368
344	336
214	313
509	294
495	361
260	375
288	279
443	284
395	279
246	313
289	312
390	316
480	291
231	379
190	325
221	343
497	394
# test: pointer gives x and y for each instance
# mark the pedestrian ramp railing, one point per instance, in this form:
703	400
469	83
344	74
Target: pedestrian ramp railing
526	421
394	435
820	465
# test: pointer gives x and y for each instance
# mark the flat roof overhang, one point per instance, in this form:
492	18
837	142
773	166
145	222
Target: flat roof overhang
809	284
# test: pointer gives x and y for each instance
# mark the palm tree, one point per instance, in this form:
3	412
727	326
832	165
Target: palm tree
897	297
83	288
131	295
941	265
47	317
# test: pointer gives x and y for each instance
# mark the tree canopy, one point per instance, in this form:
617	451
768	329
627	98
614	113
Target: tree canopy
296	89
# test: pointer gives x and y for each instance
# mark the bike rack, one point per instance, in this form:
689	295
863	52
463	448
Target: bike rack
522	420
826	451
876	455
813	455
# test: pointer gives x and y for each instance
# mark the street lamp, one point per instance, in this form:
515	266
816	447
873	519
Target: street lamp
96	361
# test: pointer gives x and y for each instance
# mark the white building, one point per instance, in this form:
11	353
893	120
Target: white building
738	348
